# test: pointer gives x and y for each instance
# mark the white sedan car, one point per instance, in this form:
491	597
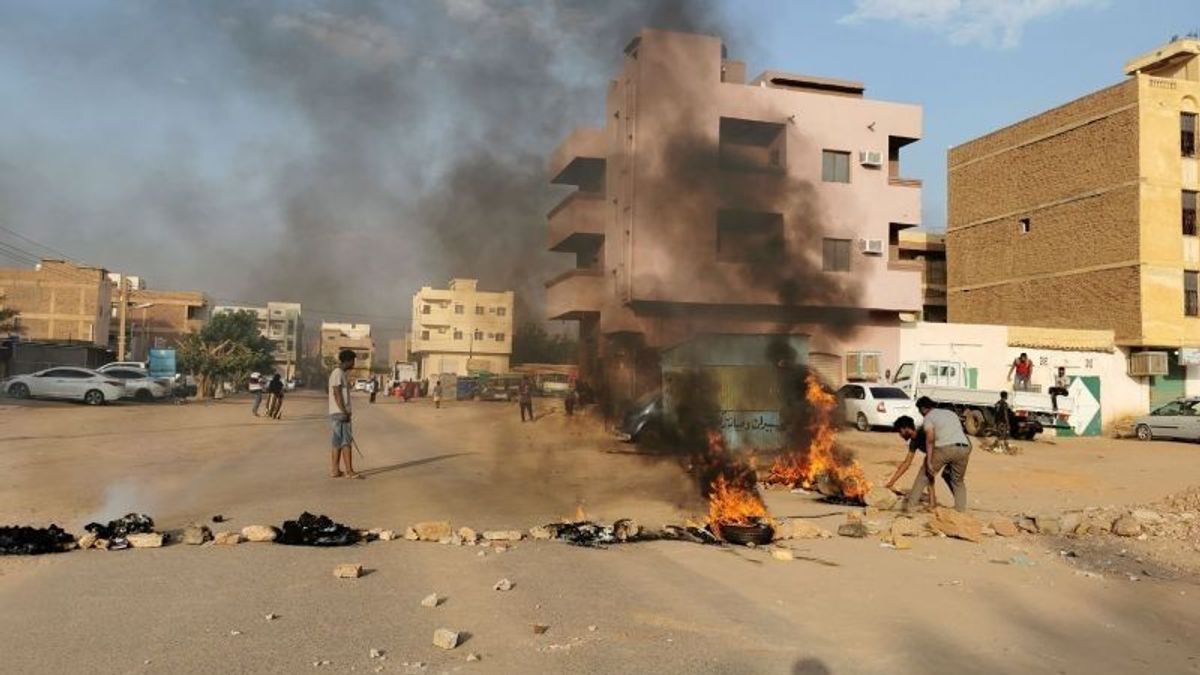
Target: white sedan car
138	383
868	405
69	382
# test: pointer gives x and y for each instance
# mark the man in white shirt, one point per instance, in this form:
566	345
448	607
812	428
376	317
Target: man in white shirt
256	390
339	417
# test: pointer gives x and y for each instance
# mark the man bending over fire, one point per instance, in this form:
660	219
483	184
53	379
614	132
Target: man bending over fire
947	451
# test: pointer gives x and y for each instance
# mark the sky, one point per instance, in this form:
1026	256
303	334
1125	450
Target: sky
343	154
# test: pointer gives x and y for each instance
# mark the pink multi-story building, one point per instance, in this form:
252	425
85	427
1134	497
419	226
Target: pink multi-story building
709	205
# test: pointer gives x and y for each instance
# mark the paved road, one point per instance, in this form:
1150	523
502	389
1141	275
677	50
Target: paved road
847	606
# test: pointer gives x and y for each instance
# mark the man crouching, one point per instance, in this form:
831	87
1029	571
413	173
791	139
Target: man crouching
947	451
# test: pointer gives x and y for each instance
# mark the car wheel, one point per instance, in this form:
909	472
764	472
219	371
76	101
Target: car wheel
1144	433
143	395
19	390
973	423
861	423
94	397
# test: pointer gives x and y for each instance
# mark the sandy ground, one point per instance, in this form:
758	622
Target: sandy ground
844	606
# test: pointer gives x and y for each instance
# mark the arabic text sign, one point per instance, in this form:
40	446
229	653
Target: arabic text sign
751	429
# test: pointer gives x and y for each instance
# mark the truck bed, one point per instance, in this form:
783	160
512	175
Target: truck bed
1021	401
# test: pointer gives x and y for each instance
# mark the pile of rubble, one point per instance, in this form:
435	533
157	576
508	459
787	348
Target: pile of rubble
20	540
134	530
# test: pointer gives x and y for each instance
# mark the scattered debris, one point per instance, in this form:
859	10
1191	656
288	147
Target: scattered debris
540	532
540	628
235	633
434	530
799	528
387	535
22	540
348	571
472	656
956	524
145	540
503	585
116	531
227	538
260	533
87	541
196	534
322	662
310	530
1003	527
431	600
374	654
271	617
881	498
1127	526
445	638
503	535
782	554
591	629
468	535
853	528
218	518
1048	524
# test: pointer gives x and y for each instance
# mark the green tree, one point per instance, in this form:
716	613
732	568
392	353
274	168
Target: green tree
532	343
228	348
8	320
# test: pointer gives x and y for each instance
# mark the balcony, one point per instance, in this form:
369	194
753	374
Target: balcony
904	182
579	159
577	222
574	294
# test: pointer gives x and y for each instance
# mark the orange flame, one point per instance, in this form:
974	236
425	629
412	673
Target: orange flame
818	466
735	502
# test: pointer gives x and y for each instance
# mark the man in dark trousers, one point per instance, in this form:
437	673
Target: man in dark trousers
947	452
275	401
525	398
1003	415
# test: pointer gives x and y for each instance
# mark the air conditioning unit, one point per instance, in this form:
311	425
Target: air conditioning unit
870	158
871	246
1146	364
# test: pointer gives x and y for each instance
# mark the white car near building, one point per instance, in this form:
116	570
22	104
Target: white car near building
67	382
138	383
875	405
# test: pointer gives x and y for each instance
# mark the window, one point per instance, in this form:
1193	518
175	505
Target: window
1187	134
442	330
1189	213
751	145
852	392
479	310
1025	225
458	334
424	335
478	335
499	337
426	308
835	255
747	236
835	166
1190	305
501	311
458	309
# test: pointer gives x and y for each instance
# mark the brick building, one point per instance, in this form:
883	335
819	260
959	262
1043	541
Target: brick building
1085	217
354	336
59	300
154	319
713	205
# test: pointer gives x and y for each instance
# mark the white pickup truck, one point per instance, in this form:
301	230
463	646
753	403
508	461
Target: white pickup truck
946	383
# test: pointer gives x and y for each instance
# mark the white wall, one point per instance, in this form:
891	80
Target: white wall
1192	385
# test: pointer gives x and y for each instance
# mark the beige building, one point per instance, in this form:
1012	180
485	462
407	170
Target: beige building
283	324
710	203
399	350
355	336
59	300
461	329
928	249
1085	217
158	319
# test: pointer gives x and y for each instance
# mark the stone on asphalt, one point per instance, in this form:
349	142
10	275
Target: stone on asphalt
540	532
503	535
432	530
955	524
881	498
387	535
445	638
374	653
145	539
227	538
1146	516
1004	527
87	541
472	656
799	528
1048	524
503	585
782	554
348	571
196	534
431	600
259	533
856	529
1127	526
468	535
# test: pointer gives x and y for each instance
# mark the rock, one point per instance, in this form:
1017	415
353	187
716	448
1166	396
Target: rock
1027	524
1146	516
101	544
1070	523
503	535
431	600
271	617
1004	527
901	542
857	530
87	541
432	530
540	628
374	654
782	554
411	534
348	571
468	535
227	538
1050	525
452	540
906	527
540	532
880	498
1127	526
259	533
503	585
955	524
196	534
445	638
472	656
145	540
591	629
799	528
387	535
626	529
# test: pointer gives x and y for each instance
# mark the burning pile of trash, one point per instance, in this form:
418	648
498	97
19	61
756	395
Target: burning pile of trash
310	530
21	540
817	464
117	534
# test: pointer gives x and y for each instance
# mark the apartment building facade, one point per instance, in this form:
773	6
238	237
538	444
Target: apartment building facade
928	249
283	324
1084	216
59	300
461	329
356	337
709	204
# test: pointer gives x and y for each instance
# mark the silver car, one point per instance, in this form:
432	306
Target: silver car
1178	419
69	382
138	383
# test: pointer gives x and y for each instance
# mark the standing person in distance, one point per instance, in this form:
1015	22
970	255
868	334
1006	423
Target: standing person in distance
256	390
437	394
373	387
525	398
1022	368
338	391
275	404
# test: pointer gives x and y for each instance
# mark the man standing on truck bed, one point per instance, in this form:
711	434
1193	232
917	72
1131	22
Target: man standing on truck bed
947	451
1022	367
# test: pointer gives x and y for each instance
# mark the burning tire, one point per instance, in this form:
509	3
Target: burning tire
19	390
1143	433
94	397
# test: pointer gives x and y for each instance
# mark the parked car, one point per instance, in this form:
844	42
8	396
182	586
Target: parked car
494	391
140	365
138	383
1179	419
67	382
868	405
362	384
645	415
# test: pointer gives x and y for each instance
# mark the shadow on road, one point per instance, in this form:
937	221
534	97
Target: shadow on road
412	463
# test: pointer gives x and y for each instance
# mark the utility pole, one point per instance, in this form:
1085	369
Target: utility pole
121	329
